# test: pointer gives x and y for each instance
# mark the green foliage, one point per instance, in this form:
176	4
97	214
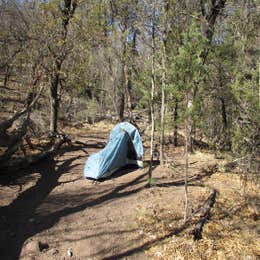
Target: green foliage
220	77
188	64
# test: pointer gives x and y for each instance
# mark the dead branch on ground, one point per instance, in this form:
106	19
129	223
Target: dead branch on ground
205	215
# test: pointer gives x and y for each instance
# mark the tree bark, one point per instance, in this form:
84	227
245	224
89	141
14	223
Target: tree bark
54	105
162	111
67	13
175	118
210	17
186	173
128	86
121	107
188	148
223	113
152	97
164	73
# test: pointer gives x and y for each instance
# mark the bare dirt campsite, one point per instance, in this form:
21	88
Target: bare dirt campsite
129	129
50	209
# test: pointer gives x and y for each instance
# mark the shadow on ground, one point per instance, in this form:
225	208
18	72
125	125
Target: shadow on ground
17	223
17	219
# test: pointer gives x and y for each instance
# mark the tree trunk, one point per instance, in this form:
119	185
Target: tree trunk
188	148
121	107
127	77
128	86
190	140
7	75
152	97
186	172
67	11
54	105
224	114
175	118
210	16
163	91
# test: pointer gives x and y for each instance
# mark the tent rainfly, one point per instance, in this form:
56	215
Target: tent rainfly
124	147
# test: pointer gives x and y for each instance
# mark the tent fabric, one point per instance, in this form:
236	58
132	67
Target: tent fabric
124	147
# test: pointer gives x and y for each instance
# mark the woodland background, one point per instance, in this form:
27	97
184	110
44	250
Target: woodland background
186	73
167	61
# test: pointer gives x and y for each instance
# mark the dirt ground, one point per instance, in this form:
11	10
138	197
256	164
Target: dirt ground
51	212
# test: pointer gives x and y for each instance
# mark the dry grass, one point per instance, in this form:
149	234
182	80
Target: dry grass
232	232
84	129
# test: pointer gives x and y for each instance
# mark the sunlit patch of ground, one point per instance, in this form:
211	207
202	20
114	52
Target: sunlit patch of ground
232	232
122	216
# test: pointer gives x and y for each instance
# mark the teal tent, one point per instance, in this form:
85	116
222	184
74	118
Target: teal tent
124	147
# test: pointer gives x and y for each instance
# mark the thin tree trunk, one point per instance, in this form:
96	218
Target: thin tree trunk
186	171
67	13
224	114
121	107
187	149
54	104
164	73
175	118
163	99
152	98
7	75
128	91
189	122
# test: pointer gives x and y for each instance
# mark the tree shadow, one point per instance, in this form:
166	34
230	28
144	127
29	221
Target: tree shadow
147	244
16	224
16	218
181	182
118	173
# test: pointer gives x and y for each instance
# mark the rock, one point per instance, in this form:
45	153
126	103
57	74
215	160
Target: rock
32	247
69	252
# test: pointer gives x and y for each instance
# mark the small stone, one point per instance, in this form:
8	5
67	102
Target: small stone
69	252
32	246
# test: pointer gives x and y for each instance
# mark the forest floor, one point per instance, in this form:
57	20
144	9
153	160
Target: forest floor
50	210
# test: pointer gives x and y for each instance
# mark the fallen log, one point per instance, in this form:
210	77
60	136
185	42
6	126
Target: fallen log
205	215
9	122
24	162
17	140
155	241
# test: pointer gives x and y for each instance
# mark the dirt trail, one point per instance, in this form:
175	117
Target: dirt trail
51	209
61	210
